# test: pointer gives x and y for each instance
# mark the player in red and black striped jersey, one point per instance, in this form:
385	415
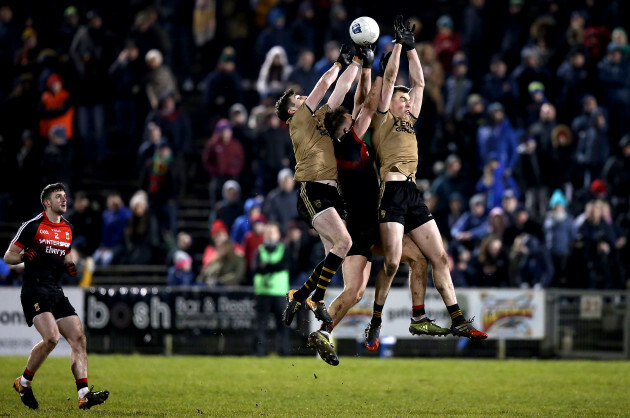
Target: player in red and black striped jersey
44	244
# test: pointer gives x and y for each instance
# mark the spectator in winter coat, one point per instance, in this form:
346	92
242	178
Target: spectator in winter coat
253	239
174	122
595	243
222	86
472	226
497	138
115	219
530	264
274	72
242	224
180	273
559	235
446	42
222	157
613	78
494	182
160	79
280	205
56	108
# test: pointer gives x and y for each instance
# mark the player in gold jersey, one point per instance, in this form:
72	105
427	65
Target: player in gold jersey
401	208
319	201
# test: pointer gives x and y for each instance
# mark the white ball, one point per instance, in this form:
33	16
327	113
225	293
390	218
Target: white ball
364	30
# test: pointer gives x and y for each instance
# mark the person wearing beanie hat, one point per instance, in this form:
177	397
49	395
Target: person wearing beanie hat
446	42
223	157
218	235
180	273
242	224
253	238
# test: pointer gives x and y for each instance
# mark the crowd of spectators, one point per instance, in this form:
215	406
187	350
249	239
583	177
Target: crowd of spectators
524	133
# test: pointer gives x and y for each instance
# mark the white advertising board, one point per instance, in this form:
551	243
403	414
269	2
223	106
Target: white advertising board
17	338
503	314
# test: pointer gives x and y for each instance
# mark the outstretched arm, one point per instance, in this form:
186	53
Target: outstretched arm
389	79
416	77
322	86
364	119
365	53
344	83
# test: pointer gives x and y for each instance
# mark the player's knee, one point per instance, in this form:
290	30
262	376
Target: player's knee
441	261
391	266
357	295
344	244
78	343
51	341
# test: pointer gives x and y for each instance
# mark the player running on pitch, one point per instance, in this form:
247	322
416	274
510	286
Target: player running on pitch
43	244
401	209
319	202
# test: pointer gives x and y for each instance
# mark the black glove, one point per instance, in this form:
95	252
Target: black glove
403	33
71	269
345	55
29	255
366	53
382	65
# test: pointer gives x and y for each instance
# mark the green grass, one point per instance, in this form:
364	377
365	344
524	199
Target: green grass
304	386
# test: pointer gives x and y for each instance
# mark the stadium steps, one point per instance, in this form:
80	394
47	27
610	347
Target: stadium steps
130	275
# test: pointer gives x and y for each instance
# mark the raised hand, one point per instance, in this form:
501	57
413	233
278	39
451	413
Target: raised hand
345	55
366	53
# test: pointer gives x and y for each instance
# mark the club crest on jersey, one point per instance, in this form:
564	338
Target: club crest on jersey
317	203
68	235
36	307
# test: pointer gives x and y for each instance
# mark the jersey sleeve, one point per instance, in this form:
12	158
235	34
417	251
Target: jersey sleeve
378	119
26	234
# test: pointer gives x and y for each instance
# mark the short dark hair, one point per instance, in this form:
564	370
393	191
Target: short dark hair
283	104
333	119
48	190
402	88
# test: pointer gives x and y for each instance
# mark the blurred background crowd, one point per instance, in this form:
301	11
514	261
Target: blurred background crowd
159	117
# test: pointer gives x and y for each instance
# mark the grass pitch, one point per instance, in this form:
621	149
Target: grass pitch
304	386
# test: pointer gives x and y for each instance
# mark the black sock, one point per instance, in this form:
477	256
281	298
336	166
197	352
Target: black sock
310	284
377	314
418	311
332	262
28	375
456	314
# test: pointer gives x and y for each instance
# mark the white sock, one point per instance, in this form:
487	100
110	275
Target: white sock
25	383
83	392
418	318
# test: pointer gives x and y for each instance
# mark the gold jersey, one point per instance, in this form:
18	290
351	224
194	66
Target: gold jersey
394	141
313	147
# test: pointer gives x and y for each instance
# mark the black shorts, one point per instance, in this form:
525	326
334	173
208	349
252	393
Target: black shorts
314	198
363	229
35	302
401	202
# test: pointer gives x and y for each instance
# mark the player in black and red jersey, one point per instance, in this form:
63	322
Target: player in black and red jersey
43	244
